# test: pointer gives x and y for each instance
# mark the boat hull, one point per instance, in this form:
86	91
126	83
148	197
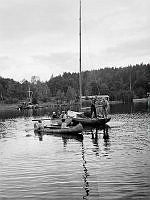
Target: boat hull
58	130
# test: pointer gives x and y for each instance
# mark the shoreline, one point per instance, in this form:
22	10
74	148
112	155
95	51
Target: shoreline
9	107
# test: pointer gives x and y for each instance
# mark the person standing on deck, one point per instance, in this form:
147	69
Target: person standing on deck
93	109
99	107
105	107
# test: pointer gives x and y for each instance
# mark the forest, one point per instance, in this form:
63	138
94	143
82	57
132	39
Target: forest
124	83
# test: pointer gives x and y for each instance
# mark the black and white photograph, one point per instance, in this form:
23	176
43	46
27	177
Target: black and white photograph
74	100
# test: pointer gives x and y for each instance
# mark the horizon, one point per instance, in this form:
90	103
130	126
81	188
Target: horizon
41	38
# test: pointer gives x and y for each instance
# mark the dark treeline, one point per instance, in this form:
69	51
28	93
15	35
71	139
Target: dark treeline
119	83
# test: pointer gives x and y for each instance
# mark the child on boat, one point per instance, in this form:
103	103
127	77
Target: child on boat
63	115
64	124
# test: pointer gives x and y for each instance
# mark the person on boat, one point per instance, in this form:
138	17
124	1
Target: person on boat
38	126
54	116
63	115
105	107
98	106
93	108
64	124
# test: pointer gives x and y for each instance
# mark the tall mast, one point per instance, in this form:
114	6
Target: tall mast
80	79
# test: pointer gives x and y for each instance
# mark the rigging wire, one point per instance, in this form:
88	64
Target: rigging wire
87	57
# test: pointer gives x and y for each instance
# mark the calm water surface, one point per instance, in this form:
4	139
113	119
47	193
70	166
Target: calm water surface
114	165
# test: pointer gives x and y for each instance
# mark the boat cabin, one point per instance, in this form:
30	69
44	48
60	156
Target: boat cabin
95	96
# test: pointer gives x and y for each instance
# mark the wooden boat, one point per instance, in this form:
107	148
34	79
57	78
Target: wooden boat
79	117
91	121
65	137
72	130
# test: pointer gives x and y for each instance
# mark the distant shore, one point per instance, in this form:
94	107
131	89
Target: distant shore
9	107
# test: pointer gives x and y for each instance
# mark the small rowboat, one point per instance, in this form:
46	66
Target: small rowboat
72	130
85	121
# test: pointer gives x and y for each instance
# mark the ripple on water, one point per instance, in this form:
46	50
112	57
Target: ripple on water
113	167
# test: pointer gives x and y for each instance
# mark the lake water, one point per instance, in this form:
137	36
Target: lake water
107	164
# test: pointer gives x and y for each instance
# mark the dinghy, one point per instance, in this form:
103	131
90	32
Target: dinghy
71	130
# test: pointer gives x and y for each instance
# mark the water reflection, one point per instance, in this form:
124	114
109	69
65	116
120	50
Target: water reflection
65	137
39	135
95	137
115	108
85	174
121	173
129	107
106	136
3	130
15	113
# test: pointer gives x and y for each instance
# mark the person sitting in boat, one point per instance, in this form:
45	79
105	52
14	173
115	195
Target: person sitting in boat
54	116
63	115
38	126
93	108
64	124
105	107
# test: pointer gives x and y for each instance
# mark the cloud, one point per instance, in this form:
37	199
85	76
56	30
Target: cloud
22	18
58	62
5	63
41	37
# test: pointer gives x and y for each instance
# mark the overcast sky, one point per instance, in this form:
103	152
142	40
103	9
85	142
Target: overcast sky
41	37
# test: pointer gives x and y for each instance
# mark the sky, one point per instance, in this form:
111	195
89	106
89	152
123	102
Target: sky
41	37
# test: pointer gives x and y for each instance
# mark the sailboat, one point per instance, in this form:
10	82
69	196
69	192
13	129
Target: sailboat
28	103
78	117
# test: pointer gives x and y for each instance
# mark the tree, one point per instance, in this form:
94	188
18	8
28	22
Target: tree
71	94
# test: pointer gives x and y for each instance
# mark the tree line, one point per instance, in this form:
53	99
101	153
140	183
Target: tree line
119	83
